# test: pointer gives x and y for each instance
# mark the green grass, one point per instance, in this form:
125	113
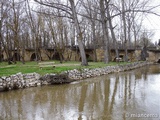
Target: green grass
30	67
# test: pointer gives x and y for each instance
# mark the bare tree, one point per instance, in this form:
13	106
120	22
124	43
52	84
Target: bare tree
56	28
15	26
79	33
111	27
34	23
124	30
92	14
145	41
70	12
105	30
1	23
5	41
93	23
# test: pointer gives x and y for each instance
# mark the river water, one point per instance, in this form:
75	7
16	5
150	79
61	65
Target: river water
131	95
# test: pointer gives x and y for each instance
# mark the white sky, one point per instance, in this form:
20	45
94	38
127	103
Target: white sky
152	22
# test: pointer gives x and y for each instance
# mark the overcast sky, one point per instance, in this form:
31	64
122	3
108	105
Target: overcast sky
152	22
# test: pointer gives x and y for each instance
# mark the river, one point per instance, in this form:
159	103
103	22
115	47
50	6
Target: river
131	95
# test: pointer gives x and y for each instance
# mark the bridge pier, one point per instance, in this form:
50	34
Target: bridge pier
158	61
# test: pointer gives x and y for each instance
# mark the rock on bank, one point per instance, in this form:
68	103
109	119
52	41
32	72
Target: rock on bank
20	80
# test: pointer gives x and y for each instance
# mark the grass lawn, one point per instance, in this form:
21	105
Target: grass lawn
30	67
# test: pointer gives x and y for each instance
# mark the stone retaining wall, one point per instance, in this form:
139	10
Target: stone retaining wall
20	80
87	73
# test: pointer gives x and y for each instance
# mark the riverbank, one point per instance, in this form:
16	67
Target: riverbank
19	80
87	73
33	66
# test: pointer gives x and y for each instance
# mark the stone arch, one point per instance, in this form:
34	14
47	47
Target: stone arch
88	57
56	56
16	57
1	57
120	58
34	57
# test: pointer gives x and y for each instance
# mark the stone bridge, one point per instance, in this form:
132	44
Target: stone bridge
154	55
45	54
73	54
32	55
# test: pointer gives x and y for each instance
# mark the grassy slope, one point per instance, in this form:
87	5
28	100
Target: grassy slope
30	67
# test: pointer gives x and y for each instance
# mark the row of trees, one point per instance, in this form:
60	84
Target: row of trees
55	24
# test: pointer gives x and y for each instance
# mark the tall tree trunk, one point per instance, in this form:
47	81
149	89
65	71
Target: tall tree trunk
129	31
105	32
0	51
94	40
23	50
0	41
111	29
124	31
8	47
79	38
23	53
135	36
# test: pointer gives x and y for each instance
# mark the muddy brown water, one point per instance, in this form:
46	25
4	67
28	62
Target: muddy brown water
131	95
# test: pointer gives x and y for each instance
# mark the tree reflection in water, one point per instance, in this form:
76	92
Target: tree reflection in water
109	97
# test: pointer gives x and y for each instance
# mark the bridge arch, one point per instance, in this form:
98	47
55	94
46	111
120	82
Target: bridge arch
55	56
1	57
34	57
88	57
16	57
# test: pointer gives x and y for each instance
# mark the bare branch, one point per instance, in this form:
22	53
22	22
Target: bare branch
57	6
53	14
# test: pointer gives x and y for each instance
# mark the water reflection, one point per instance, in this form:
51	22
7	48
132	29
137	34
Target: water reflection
110	97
